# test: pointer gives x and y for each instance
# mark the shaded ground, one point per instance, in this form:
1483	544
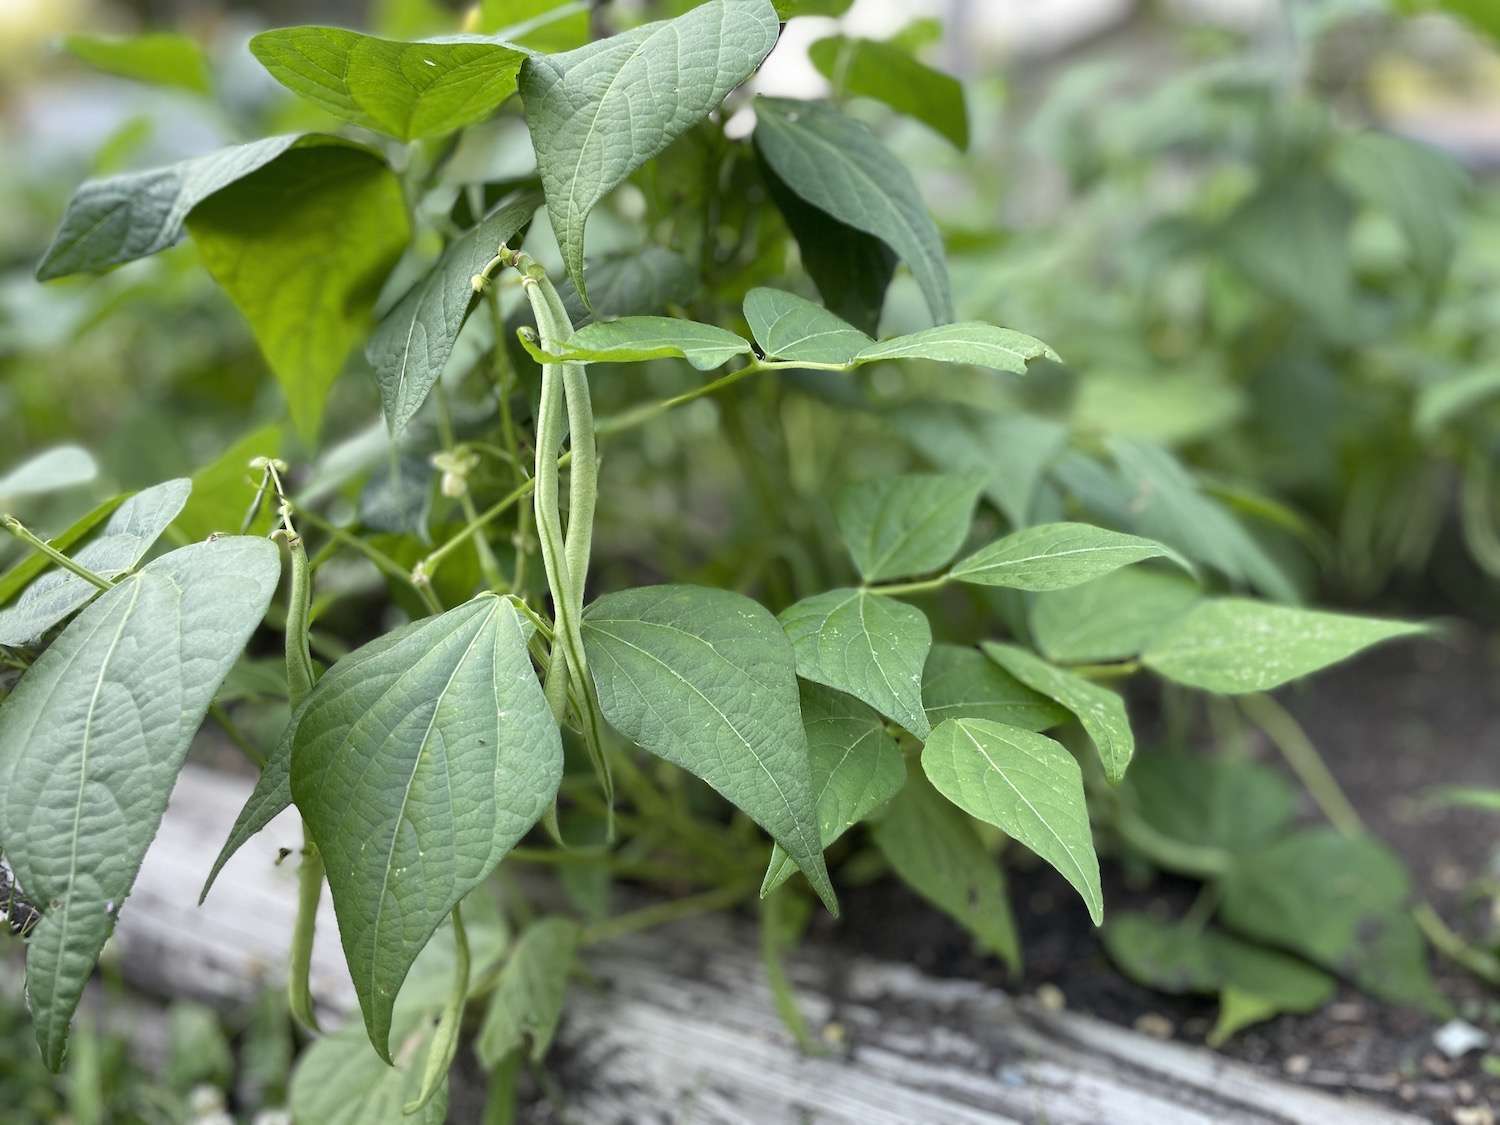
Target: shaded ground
1389	726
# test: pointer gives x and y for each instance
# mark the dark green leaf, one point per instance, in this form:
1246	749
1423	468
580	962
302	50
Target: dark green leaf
633	283
1211	801
868	68
963	683
91	741
527	1003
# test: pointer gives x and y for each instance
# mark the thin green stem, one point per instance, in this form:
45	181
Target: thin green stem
36	543
231	729
1186	859
894	589
444	1048
1483	965
382	562
489	566
1287	735
663	913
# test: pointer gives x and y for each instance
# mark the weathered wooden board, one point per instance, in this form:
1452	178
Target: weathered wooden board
677	1025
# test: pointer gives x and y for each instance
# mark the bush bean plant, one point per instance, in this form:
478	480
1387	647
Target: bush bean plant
695	565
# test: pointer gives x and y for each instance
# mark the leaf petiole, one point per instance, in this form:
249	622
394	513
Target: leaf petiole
37	543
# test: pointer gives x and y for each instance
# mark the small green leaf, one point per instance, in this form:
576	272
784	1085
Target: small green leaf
1110	618
962	683
856	768
528	1000
706	679
302	247
1055	556
405	90
973	343
598	113
1235	645
416	768
223	489
1210	800
1340	902
52	470
868	645
869	68
413	342
548	26
788	9
159	58
1024	784
91	741
897	527
935	850
1099	710
1454	399
632	339
836	164
126	217
118	546
789	327
340	1081
18	577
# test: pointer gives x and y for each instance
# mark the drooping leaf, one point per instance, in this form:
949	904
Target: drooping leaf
52	470
159	58
1341	902
632	339
340	1081
851	269
1110	618
856	768
836	164
413	342
91	741
1055	556
971	342
1236	645
405	90
548	26
866	644
302	247
900	526
527	1002
129	216
18	577
963	683
935	850
598	113
224	488
789	327
869	68
121	543
1211	800
1026	785
416	768
706	679
1100	711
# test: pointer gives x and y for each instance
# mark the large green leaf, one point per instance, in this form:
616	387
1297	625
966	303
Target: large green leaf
161	58
1100	711
1211	800
303	246
413	342
416	769
528	1000
869	68
971	342
118	546
632	339
1110	618
707	680
935	850
836	164
18	577
1026	785
900	526
1341	902
405	90
1236	645
340	1081
789	327
126	217
52	470
963	683
1054	556
856	768
91	741
549	26
598	113
866	644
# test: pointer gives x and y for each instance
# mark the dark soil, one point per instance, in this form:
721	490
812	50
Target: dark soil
1389	725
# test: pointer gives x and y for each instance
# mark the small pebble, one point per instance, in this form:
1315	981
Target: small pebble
1347	1011
1465	1091
1406	1092
1473	1115
833	1033
1155	1025
1297	1064
1051	998
1457	1038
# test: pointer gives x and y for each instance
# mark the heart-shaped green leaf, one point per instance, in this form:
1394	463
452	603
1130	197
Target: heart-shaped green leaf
896	527
527	1003
416	768
869	68
1054	556
706	679
789	327
91	741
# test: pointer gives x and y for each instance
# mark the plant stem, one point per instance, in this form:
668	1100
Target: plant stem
925	586
381	561
1186	859
1287	735
309	891
1482	964
236	736
36	543
662	913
